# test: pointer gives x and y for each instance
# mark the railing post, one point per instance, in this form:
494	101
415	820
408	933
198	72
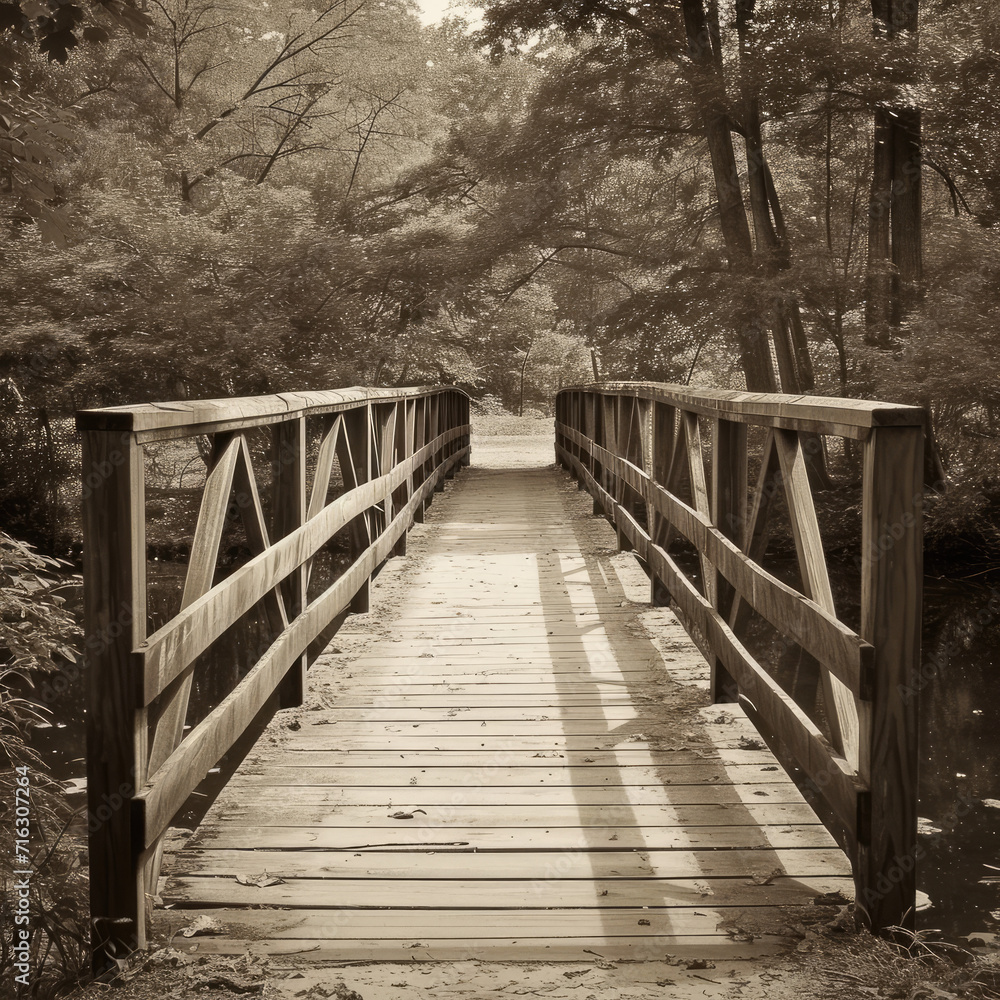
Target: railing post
419	440
465	406
729	513
437	421
358	466
661	448
449	421
891	586
589	427
404	430
288	467
115	621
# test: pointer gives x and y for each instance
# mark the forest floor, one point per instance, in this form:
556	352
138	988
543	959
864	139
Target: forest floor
826	958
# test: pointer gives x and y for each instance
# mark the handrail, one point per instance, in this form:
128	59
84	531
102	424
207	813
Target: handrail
394	448
636	447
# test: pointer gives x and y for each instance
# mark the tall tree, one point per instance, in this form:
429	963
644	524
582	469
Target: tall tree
895	241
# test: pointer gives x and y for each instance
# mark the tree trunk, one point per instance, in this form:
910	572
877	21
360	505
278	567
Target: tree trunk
895	241
754	350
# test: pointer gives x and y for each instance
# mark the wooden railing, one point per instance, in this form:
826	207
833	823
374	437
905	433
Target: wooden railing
393	447
663	462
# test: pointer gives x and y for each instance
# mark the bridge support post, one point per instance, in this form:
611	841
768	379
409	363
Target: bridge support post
288	467
419	440
114	550
729	513
465	409
891	585
435	430
450	414
356	464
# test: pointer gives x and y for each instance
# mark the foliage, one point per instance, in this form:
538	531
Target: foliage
37	636
255	199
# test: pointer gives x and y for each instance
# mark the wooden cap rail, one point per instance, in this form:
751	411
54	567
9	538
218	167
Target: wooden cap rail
394	448
186	417
637	446
850	418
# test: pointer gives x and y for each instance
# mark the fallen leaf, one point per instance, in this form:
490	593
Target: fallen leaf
202	925
261	881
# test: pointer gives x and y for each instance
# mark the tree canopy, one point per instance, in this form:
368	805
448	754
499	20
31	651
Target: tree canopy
208	197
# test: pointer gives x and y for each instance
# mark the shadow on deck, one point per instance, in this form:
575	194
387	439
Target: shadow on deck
503	761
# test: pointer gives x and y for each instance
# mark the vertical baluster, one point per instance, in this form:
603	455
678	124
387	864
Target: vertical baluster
451	421
288	465
404	440
436	423
466	407
729	513
355	453
419	440
589	427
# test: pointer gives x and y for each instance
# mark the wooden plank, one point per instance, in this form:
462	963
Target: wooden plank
389	713
699	495
491	730
494	922
308	753
320	786
757	530
388	770
401	743
667	838
800	864
294	808
642	890
510	949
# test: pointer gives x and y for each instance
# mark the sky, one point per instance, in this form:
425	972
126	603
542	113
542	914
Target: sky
431	11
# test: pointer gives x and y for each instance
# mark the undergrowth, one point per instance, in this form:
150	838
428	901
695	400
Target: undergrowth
38	635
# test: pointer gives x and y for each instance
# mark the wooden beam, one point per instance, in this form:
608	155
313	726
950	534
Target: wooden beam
842	714
288	484
891	602
729	512
114	549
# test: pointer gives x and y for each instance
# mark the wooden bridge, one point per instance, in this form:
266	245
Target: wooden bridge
494	760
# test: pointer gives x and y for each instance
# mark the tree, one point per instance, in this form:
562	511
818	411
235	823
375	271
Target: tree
895	242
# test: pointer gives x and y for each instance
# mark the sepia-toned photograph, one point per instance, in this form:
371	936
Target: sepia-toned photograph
500	499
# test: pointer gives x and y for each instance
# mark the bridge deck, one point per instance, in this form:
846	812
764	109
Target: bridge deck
505	759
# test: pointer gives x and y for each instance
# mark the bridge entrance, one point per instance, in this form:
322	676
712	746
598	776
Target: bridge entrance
510	765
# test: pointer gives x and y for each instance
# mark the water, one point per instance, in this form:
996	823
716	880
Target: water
960	755
959	784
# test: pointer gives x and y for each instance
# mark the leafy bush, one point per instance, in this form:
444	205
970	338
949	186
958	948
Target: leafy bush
37	635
